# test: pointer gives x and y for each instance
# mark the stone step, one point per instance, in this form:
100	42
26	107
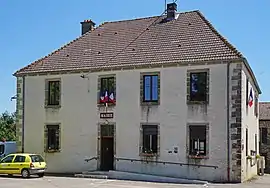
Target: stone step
92	176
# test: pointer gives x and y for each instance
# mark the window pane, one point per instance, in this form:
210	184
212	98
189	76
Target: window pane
147	88
19	159
146	143
154	88
198	86
53	137
8	159
154	143
36	158
197	140
2	149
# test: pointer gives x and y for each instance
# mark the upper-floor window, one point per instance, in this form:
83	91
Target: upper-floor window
107	90
150	88
53	92
198	86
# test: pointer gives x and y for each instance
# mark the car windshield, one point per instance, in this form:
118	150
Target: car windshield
36	158
2	149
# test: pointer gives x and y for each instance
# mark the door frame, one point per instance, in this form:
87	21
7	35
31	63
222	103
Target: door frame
99	143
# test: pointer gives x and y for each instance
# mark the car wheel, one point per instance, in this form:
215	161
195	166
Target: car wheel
40	175
25	173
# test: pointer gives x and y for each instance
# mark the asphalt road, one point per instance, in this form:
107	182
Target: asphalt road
60	182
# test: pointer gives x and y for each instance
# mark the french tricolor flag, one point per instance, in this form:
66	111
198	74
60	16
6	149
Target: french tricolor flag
250	99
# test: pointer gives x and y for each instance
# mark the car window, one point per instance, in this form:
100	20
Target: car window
2	149
8	159
19	159
36	158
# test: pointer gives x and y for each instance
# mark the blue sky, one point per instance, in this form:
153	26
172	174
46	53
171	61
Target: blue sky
31	29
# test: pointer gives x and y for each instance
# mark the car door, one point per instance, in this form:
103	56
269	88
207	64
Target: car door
5	165
18	164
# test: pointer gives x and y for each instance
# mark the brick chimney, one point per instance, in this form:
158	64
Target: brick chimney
87	25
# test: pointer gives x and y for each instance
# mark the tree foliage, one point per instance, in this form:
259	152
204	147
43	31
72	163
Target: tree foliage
8	126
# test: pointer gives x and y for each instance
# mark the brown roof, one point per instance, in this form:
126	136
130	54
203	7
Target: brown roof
190	38
264	110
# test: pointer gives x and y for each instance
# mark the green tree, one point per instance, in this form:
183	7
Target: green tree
8	126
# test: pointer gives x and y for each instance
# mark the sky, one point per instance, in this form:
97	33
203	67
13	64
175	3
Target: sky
31	29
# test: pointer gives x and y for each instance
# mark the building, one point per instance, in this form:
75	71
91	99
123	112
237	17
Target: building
264	119
165	95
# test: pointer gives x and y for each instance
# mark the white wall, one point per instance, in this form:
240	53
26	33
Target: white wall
79	117
250	122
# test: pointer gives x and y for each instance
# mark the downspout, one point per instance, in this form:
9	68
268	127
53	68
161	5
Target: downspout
23	109
228	123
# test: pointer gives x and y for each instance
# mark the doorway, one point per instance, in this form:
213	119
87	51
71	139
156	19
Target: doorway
107	148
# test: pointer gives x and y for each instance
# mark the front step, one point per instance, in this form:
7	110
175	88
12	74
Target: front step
118	175
93	176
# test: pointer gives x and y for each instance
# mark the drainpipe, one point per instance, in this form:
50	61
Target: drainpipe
23	109
228	123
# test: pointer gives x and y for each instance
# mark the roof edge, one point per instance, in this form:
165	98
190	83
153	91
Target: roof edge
252	75
222	38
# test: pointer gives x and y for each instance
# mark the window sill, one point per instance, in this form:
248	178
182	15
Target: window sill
53	106
198	157
53	151
149	103
196	102
103	104
148	154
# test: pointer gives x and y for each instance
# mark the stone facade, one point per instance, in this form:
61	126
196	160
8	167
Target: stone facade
236	125
19	114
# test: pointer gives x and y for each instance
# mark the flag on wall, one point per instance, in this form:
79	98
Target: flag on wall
250	99
111	98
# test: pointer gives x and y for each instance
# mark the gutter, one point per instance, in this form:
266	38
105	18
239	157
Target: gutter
23	110
252	74
228	124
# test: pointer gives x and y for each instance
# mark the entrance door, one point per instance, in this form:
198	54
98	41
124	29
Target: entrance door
107	154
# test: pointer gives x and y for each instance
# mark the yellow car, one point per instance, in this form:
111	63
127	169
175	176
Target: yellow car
24	164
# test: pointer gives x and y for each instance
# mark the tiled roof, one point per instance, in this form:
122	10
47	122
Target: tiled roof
188	39
264	110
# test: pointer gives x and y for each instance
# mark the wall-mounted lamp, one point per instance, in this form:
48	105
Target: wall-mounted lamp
13	98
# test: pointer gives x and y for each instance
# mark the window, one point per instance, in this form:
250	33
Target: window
150	88
263	137
150	139
107	90
197	142
198	86
53	93
53	137
247	142
8	159
256	146
19	159
2	149
36	158
256	106
247	93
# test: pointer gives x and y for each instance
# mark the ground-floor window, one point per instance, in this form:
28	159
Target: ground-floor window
149	139
52	136
197	140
